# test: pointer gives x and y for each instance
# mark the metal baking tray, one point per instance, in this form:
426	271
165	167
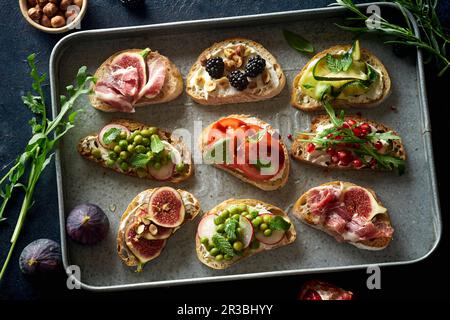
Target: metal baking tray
412	199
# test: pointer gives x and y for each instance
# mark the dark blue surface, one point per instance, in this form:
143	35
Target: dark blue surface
18	40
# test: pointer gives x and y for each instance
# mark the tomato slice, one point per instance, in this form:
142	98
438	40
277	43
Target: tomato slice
230	123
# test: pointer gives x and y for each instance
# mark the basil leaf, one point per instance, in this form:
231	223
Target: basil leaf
230	229
297	42
222	244
156	144
139	160
111	135
278	223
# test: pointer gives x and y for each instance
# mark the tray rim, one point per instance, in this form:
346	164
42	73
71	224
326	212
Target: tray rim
59	47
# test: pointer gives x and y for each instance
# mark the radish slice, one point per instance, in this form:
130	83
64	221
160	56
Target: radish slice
163	173
108	127
247	231
174	153
207	227
276	237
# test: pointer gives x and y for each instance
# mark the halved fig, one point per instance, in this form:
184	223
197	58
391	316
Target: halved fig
144	250
106	129
247	231
163	173
166	208
153	232
207	227
357	201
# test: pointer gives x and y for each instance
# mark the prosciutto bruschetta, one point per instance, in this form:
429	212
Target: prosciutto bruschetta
348	212
134	78
249	149
319	290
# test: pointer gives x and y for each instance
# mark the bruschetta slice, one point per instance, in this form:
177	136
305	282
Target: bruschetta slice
348	212
151	218
139	150
248	148
134	78
345	75
234	71
319	290
240	228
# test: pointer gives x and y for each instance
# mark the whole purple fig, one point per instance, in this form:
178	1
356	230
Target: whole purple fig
87	224
40	256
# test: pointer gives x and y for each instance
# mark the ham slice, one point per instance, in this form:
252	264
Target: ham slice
111	97
156	76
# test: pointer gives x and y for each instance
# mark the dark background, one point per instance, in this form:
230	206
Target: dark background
427	279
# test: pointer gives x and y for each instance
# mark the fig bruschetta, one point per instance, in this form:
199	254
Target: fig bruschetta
348	212
349	142
319	290
134	78
138	150
151	218
345	75
234	71
239	228
249	149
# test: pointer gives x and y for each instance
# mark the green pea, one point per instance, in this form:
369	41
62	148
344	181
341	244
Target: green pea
225	214
124	155
146	133
123	144
138	139
112	155
204	241
219	257
236	217
234	210
263	226
153	130
242	207
257	221
221	228
96	153
150	155
249	217
140	149
239	230
146	141
130	138
238	246
119	161
130	148
157	165
214	251
123	135
267	218
254	213
180	167
110	162
254	244
227	257
117	149
268	232
137	132
244	213
218	220
124	166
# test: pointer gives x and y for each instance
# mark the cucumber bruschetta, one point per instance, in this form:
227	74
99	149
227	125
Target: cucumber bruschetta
348	212
139	150
239	228
234	71
248	148
149	220
134	78
345	75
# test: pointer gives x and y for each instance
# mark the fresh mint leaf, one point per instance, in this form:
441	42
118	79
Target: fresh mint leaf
230	229
278	223
222	244
139	160
339	64
298	42
111	135
156	145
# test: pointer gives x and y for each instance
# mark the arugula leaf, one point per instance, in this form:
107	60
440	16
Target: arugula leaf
257	136
111	135
298	42
329	109
230	229
156	145
139	160
307	86
222	244
383	136
278	223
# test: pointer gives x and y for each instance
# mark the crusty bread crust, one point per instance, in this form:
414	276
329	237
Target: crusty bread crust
172	88
124	253
298	148
245	95
297	96
263	185
373	244
133	125
205	258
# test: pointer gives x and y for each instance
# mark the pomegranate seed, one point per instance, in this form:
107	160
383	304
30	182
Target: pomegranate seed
346	125
289	136
329	135
373	163
310	147
345	156
348	145
356	145
365	126
357	131
378	145
331	151
338	138
357	163
311	295
351	122
334	159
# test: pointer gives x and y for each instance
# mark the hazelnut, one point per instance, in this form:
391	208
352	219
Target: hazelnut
50	9
45	21
42	3
65	4
58	22
240	50
35	13
238	61
78	3
32	3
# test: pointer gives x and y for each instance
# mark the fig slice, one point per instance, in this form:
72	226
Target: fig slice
166	208
154	232
106	129
163	173
247	231
143	249
207	227
359	201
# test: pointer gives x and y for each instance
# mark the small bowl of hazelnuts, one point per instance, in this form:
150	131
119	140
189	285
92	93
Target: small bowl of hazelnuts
54	16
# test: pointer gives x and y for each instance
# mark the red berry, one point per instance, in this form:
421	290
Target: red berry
311	295
357	163
338	138
334	159
346	125
365	126
373	163
329	135
310	147
357	131
378	145
364	133
289	136
331	151
345	157
351	122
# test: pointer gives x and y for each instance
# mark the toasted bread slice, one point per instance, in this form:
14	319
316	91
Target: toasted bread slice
265	86
298	148
172	88
192	207
87	144
207	259
272	184
381	88
301	211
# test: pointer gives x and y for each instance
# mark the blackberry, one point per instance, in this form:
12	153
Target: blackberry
215	67
255	66
238	80
132	3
